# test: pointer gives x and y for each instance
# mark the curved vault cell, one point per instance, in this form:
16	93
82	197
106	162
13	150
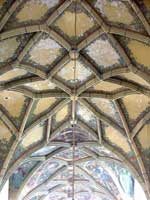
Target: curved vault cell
99	50
101	105
6	52
142	58
142	106
115	11
85	22
10	75
41	85
45	51
35	10
110	178
67	72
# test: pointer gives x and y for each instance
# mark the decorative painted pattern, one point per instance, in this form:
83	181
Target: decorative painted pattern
35	9
45	52
84	23
81	74
102	52
106	106
114	11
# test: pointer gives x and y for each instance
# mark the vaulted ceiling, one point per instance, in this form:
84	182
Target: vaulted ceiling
44	99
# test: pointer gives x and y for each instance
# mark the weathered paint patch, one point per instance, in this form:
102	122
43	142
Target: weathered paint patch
103	53
114	11
7	48
144	137
5	133
81	73
34	135
140	52
43	105
45	51
136	104
13	102
60	115
35	9
106	86
116	138
41	85
67	23
12	74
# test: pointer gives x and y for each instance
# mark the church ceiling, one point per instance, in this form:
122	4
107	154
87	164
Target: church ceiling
92	82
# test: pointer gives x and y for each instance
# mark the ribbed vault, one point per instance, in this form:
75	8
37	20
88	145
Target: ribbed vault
109	99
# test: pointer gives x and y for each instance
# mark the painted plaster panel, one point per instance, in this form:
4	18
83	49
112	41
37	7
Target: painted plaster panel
67	135
142	102
106	107
45	51
41	174
5	134
114	11
85	114
79	74
35	9
106	86
13	102
61	114
84	23
20	174
8	48
102	52
43	105
101	150
41	85
12	74
133	77
117	139
34	135
46	171
140	52
101	175
144	137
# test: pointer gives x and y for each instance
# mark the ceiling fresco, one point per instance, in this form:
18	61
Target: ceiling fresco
75	99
